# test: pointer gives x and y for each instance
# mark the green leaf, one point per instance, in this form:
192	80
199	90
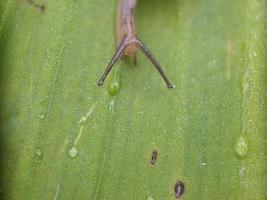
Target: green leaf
63	137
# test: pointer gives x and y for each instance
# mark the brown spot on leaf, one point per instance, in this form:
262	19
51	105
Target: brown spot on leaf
154	157
179	189
36	5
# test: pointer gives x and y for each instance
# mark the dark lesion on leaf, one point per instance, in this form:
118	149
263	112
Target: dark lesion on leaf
179	189
154	157
40	7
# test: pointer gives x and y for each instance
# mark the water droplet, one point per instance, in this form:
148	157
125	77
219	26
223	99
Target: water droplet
41	116
203	163
241	146
113	88
73	152
38	153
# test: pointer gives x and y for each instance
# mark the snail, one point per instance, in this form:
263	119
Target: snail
128	42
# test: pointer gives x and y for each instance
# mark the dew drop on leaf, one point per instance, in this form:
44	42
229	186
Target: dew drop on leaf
73	152
203	163
41	116
241	146
38	152
113	88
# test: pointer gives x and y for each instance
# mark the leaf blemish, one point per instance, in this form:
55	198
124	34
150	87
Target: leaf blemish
36	5
154	157
179	189
82	121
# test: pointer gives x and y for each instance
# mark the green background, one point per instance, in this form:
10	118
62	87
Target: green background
63	137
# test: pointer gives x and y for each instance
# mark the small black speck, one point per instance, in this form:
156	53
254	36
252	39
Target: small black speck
38	6
42	8
154	157
179	189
